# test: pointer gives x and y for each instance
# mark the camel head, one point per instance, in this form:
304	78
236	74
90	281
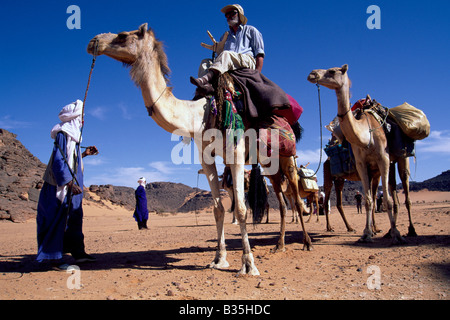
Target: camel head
333	78
125	46
139	49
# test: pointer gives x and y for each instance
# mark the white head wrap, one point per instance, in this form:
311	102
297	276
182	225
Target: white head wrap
70	117
71	124
142	181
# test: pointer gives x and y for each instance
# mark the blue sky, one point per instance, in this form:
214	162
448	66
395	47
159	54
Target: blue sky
45	66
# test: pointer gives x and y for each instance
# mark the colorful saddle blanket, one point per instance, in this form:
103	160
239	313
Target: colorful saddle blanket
284	132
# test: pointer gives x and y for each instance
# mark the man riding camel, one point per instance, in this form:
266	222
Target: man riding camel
243	48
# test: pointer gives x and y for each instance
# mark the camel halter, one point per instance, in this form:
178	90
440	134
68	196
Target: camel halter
95	54
320	124
150	108
70	193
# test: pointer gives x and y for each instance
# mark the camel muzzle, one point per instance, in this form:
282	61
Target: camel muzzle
90	47
313	77
93	46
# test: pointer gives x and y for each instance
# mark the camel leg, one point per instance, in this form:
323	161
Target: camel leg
327	185
220	261
375	183
289	169
266	209
294	213
339	187
393	193
403	171
275	180
361	167
394	233
248	263
230	194
288	195
311	211
316	201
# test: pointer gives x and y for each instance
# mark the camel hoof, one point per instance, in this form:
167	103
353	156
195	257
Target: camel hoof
219	265
278	248
250	270
307	244
365	239
397	238
411	232
248	266
398	241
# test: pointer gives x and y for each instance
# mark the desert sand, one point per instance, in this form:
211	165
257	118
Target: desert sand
169	261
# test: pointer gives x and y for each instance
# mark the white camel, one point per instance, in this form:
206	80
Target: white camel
149	70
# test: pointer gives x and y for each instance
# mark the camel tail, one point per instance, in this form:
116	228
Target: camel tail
298	131
257	195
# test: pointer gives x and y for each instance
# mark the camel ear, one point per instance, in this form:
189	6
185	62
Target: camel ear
143	29
344	68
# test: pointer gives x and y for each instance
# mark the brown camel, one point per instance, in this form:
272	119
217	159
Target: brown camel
369	146
149	70
311	196
329	180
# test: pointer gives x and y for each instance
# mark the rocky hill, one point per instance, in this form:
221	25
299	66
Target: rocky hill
438	183
21	180
161	196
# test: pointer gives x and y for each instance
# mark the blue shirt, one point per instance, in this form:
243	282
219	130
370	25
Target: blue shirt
247	40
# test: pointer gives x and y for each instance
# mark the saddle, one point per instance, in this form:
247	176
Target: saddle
400	144
245	99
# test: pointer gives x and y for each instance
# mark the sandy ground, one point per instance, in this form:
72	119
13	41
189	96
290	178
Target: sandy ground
169	260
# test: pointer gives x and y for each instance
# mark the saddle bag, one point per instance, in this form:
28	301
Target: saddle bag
412	121
400	145
342	160
308	180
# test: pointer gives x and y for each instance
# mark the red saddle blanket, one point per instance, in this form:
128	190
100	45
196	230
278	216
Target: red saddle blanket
286	137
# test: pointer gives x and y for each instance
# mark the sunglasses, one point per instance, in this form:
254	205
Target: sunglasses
231	14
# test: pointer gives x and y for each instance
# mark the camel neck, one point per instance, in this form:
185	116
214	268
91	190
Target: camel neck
183	117
355	131
343	98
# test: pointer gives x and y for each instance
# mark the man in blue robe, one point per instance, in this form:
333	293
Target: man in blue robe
141	211
60	213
